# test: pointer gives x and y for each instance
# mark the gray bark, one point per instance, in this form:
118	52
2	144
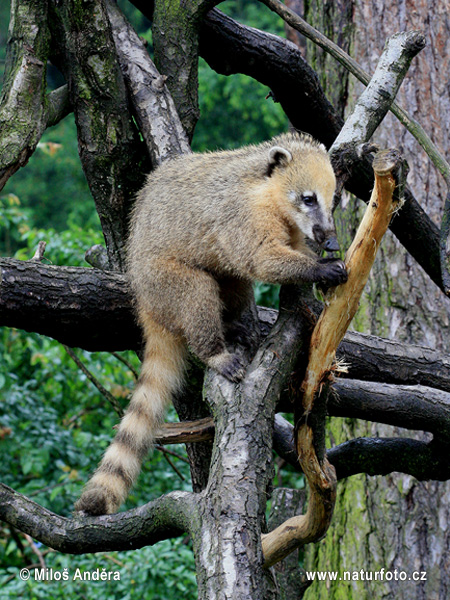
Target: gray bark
155	110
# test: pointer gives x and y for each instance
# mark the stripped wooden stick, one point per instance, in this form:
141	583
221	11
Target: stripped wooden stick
341	304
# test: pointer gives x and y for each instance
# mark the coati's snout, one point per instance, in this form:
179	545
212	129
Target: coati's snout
326	239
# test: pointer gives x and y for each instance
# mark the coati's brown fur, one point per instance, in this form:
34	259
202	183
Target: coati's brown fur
204	227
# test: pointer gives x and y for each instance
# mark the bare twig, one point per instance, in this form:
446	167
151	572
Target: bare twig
36	550
127	363
109	397
166	454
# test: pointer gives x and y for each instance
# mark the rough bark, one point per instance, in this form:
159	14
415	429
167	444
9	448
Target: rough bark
175	37
25	109
113	159
155	110
400	304
166	517
69	315
75	305
291	580
227	547
424	460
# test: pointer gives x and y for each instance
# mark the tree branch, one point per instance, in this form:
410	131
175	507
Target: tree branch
373	456
155	110
168	516
377	359
77	306
297	23
175	39
241	460
377	98
23	102
92	309
112	156
341	304
412	407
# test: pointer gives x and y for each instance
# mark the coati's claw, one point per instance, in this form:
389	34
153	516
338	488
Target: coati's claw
233	371
229	365
332	272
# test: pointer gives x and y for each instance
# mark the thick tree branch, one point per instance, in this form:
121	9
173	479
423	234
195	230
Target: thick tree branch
377	359
412	407
111	154
372	456
77	306
155	110
168	516
92	309
22	102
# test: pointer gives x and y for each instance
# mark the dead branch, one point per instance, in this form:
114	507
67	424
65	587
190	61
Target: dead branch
341	305
186	432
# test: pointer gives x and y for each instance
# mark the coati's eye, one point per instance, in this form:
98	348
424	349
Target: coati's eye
309	198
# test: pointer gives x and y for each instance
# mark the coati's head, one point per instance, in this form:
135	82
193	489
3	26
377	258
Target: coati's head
305	175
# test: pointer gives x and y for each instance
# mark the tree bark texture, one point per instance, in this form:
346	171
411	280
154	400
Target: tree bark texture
400	303
111	154
22	101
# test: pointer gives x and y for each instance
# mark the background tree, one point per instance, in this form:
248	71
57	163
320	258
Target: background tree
400	303
114	90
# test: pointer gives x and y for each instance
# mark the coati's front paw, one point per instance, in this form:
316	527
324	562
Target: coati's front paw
229	365
332	272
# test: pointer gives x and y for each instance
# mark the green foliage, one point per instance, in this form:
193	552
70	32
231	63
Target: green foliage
54	427
146	574
53	185
267	294
234	112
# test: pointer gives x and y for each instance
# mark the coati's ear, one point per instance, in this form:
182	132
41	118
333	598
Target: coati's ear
278	157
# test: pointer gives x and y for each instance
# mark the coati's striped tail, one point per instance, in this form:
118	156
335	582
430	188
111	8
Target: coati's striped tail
161	376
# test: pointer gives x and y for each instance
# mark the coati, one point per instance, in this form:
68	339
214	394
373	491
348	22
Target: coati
204	227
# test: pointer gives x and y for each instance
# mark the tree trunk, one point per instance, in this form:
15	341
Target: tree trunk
395	522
